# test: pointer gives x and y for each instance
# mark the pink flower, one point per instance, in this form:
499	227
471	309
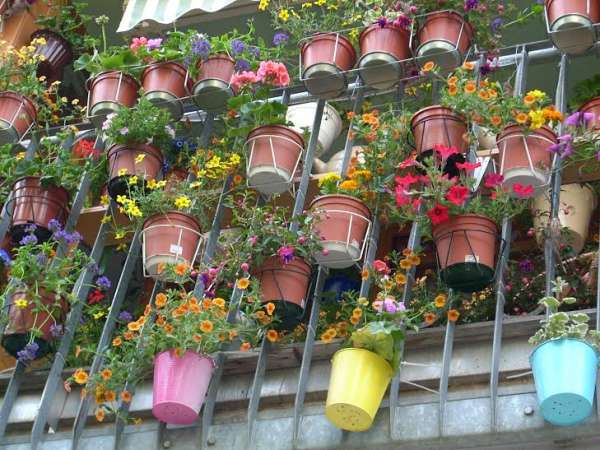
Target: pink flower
445	152
407	163
523	191
468	166
286	254
378	305
406	181
138	42
301	240
241	79
493	180
401	197
457	195
389	305
252	240
271	72
380	266
245	267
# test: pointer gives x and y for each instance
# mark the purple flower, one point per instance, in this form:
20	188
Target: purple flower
496	24
280	39
123	131
54	225
237	46
72	238
382	22
578	118
242	65
526	266
402	21
41	259
5	257
153	44
28	353
565	138
286	254
30	228
125	316
389	305
555	148
92	267
103	282
567	151
485	69
254	51
29	239
56	330
201	48
471	4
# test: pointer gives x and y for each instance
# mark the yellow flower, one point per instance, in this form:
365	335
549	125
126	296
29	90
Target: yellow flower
363	301
537	119
195	184
243	283
182	202
75	101
537	94
284	15
99	315
400	278
21	303
121	199
320	2
263	4
122	172
440	301
330	177
19	156
105	200
349	185
132	180
119	234
139	158
80	376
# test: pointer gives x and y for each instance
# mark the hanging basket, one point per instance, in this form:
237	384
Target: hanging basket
108	92
564	371
17	116
466	249
21	322
525	158
213	87
169	238
344	224
302	118
180	386
165	84
274	156
57	54
592	106
359	379
32	203
122	158
325	57
287	286
383	50
577	203
570	24
444	38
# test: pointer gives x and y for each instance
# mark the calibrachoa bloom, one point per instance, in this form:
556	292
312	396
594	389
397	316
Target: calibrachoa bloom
286	254
523	191
493	180
445	152
438	214
457	195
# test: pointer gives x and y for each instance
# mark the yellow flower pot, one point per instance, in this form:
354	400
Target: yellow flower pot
359	379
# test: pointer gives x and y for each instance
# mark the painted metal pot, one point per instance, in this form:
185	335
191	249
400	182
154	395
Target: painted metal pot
57	53
592	106
108	92
165	84
17	116
122	165
213	87
444	38
438	125
570	24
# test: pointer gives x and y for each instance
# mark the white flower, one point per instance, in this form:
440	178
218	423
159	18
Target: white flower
170	131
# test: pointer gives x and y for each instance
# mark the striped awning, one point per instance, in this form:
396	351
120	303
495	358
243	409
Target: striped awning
167	11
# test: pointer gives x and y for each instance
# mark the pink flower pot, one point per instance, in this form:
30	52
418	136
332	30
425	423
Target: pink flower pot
180	385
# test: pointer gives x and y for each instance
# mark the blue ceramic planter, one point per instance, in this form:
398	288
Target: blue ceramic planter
565	372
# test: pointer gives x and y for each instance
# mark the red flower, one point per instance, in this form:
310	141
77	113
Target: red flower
468	166
523	191
401	197
416	203
407	180
95	296
493	180
408	162
438	214
380	266
457	195
445	152
84	148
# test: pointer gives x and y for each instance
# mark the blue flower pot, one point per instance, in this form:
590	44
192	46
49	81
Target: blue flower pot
565	372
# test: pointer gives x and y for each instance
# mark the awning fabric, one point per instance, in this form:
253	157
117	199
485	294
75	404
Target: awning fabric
165	11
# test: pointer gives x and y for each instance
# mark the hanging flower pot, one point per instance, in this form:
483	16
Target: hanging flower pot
302	118
485	138
274	155
358	381
165	84
22	321
169	238
437	125
34	204
382	50
592	106
343	223
57	53
564	371
325	57
570	24
466	249
213	86
577	203
444	38
122	165
180	385
524	156
285	284
108	92
335	163
17	116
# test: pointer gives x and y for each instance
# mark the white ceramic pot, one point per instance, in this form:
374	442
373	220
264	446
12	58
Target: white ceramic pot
486	139
302	118
335	162
577	203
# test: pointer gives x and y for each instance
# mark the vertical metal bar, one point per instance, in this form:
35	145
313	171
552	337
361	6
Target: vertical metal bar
10	396
256	388
358	101
444	376
109	325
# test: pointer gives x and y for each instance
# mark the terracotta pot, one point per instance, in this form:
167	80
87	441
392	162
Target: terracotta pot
22	320
525	159
165	84
325	58
571	23
440	35
33	204
466	248
274	155
17	116
343	224
382	49
109	92
287	286
592	106
438	125
169	238
213	85
123	157
57	52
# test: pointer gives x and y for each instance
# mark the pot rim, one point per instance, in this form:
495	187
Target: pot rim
105	74
537	347
216	56
168	213
322	35
297	259
39	178
591	101
370	28
422	111
201	355
278	126
511	129
346	196
449	13
363	350
467	215
136	146
54	34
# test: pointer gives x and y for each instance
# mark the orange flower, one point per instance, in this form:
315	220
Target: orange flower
407	252
116	342
521	118
106	374
219	302
206	303
484	95
470	87
169	328
468	65
405	264
233	334
195	308
364	275
452	90
440	301
80	376
160	321
181	269
160	300
453	80
354	320
270	308
243	283
272	335
147	309
430	318
245	346
350	115
110	396
99	414
126	396
133	326
493	93
453	315
327	337
128	335
529	100
415	260
400	278
428	66
206	326
496	120
357	312
161	266
260	315
197	338
237	179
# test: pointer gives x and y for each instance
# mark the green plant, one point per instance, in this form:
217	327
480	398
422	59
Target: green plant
585	90
69	21
561	325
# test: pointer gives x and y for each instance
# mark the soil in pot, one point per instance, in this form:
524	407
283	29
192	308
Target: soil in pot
57	53
122	157
213	86
286	285
466	249
17	116
444	38
109	92
33	204
165	84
